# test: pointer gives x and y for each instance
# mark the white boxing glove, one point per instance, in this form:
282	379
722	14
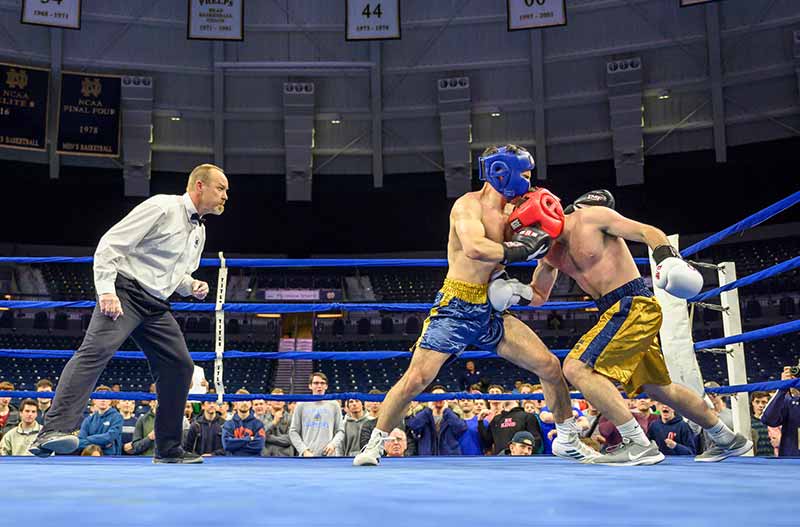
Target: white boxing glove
504	293
674	275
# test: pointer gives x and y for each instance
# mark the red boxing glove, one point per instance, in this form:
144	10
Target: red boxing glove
539	208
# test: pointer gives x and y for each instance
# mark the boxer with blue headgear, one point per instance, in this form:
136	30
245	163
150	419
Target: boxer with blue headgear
503	168
468	311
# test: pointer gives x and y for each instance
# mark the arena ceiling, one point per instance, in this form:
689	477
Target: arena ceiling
719	74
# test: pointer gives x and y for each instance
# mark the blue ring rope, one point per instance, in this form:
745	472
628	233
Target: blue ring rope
769	272
377	397
285	308
270	355
281	262
747	223
749	336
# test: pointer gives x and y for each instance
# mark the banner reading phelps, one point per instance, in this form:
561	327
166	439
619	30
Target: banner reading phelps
88	118
23	107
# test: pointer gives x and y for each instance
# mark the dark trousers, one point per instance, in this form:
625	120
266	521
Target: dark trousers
150	323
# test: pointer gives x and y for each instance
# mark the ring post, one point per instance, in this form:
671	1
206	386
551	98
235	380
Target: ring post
737	369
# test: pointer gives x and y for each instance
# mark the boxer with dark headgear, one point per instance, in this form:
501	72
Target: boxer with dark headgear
462	314
623	347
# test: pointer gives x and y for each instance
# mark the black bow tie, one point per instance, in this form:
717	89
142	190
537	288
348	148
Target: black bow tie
196	218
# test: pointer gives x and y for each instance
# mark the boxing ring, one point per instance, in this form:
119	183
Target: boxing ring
415	490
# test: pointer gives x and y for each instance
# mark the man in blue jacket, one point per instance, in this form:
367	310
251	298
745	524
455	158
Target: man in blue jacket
784	410
438	429
244	434
672	434
103	428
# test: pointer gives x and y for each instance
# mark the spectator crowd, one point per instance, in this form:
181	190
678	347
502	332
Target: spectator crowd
470	427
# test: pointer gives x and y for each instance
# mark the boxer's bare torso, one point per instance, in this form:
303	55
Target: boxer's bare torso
597	261
490	209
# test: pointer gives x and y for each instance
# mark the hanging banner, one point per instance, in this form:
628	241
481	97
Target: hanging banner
215	20
88	121
53	13
23	107
533	14
687	3
372	20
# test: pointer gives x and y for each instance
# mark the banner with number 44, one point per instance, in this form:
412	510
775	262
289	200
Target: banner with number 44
372	19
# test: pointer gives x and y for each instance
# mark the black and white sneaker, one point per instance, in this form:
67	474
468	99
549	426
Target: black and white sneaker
54	442
574	449
184	458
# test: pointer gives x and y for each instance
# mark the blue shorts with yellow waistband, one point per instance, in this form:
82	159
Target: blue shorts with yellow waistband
624	345
461	317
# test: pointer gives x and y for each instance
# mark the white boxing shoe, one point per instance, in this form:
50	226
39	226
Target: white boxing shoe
575	449
371	454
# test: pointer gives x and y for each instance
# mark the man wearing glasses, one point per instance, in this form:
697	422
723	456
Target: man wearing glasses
317	427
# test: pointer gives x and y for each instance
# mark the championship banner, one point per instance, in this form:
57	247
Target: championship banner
215	20
53	13
533	14
88	121
372	20
23	107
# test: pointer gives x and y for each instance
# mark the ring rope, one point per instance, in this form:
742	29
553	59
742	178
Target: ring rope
747	223
377	397
769	272
285	308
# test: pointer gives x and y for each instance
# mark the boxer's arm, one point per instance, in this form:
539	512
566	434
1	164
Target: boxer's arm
544	277
613	223
472	235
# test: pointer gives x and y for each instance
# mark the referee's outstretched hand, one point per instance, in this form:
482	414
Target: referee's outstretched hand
110	306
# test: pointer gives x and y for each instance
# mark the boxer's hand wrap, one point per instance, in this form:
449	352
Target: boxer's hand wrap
674	275
593	198
526	245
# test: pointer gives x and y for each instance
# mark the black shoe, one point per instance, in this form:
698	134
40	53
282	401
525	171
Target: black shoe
58	442
183	457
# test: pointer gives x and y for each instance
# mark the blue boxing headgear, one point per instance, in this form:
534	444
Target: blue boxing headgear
503	170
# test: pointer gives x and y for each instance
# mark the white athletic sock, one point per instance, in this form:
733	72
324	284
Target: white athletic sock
721	434
378	433
634	432
567	430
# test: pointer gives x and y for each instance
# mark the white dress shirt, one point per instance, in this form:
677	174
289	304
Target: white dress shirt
156	244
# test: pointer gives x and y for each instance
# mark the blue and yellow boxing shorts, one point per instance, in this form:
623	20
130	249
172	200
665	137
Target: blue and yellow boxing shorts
461	316
624	345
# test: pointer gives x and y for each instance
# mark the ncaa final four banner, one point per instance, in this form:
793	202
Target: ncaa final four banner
89	115
215	20
23	107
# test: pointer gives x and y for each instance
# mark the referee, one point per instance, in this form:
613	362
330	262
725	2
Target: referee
138	264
